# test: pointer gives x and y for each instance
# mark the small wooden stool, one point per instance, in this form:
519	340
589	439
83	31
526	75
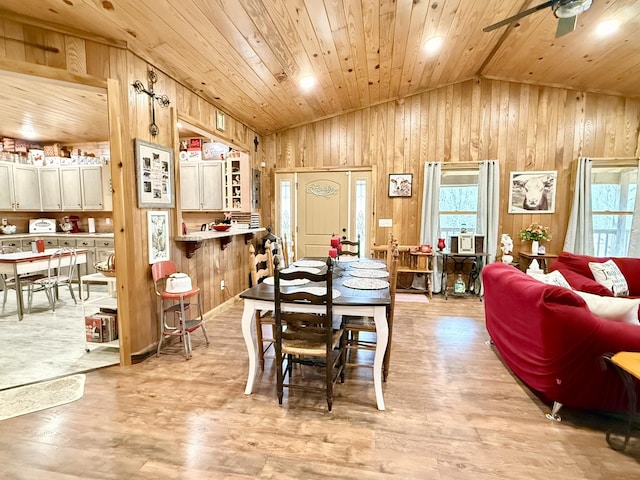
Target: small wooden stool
627	364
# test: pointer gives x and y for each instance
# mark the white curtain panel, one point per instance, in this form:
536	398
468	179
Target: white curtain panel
634	239
489	206
579	237
430	221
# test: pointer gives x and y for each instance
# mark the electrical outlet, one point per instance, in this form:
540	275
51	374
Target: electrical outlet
221	284
4	222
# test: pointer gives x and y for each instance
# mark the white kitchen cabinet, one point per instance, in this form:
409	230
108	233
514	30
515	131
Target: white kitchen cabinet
50	193
91	178
190	185
211	182
26	187
7	198
201	185
71	188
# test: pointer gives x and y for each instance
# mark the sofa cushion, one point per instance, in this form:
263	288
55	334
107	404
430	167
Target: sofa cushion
613	308
584	284
576	263
609	275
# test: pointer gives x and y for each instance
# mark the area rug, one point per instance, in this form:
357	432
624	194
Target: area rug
412	297
39	396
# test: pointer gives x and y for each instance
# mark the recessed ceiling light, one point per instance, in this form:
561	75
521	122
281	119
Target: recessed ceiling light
433	44
307	82
28	132
607	27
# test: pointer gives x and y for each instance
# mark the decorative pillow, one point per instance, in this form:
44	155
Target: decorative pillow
609	275
585	284
554	278
613	308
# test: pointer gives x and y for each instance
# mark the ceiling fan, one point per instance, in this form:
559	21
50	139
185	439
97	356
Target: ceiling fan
566	11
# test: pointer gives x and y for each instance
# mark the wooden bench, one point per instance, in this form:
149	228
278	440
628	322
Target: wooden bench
410	261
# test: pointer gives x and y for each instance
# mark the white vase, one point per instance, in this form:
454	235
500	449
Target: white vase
534	247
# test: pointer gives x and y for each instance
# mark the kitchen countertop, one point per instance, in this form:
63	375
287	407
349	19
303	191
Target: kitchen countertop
56	234
199	236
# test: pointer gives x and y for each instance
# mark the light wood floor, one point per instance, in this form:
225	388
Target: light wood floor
453	412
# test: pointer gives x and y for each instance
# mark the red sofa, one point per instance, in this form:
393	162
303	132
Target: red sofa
550	339
575	268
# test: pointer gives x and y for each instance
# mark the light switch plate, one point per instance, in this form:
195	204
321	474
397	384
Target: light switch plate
385	222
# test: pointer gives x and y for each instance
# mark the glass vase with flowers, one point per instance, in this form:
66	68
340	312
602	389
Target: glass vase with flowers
536	233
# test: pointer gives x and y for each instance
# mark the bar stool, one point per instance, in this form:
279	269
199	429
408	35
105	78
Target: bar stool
177	304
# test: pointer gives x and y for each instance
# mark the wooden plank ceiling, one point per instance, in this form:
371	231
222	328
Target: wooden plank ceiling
247	56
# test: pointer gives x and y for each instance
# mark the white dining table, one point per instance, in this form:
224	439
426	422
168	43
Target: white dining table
22	263
365	303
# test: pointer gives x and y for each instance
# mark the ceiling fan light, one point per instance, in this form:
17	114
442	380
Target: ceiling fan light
571	8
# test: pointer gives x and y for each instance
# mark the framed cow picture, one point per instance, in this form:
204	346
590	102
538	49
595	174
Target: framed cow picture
533	192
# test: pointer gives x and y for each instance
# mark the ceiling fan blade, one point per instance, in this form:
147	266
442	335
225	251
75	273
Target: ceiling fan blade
518	16
566	25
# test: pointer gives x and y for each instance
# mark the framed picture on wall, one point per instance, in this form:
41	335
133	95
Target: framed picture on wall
154	175
400	184
219	121
158	230
533	192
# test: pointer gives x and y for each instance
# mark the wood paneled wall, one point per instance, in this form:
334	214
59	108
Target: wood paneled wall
87	62
525	127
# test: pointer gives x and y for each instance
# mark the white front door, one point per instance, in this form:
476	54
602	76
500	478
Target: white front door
323	203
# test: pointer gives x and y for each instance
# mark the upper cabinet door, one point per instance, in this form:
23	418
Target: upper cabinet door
91	178
6	187
50	193
71	188
189	186
212	185
27	187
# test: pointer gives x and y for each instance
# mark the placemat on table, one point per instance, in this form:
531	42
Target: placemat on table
365	283
358	272
286	283
368	265
309	263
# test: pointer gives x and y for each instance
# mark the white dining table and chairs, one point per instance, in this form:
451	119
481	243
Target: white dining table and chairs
23	263
355	300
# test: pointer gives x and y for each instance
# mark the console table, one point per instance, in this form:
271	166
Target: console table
469	264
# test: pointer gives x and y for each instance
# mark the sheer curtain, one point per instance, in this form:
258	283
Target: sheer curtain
489	206
634	239
430	221
579	237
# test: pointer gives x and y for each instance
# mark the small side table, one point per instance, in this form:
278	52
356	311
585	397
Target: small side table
627	364
544	259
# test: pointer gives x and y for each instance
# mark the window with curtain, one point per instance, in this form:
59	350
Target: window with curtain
613	195
458	202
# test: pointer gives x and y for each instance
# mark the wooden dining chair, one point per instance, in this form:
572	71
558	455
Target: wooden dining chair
357	325
307	338
261	267
350	247
175	312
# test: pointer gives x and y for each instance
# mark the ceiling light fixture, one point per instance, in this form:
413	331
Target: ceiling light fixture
28	132
607	27
434	44
307	82
571	8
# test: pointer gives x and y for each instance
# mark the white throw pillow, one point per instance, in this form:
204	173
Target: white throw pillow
609	275
553	278
613	308
556	278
